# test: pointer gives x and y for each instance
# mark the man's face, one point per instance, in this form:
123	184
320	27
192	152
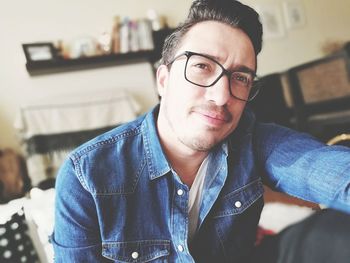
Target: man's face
196	117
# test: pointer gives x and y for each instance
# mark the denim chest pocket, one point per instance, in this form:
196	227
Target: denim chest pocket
239	200
137	251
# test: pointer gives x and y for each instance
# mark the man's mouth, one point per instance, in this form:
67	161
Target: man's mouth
213	115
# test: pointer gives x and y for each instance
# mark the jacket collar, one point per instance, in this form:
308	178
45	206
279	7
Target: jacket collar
158	165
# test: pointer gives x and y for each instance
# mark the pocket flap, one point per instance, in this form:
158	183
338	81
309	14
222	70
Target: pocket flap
239	200
136	251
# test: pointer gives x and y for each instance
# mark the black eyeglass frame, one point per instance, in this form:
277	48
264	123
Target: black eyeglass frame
226	72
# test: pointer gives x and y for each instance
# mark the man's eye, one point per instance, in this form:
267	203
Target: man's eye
241	78
202	66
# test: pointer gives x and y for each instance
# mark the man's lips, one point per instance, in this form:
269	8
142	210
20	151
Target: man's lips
213	115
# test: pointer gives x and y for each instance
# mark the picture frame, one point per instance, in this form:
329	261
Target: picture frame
272	21
294	14
39	51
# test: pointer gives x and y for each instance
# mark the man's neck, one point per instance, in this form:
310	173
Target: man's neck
185	165
184	160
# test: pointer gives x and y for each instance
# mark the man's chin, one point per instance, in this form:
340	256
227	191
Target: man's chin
202	143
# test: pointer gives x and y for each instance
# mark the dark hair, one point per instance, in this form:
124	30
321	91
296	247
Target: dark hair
230	12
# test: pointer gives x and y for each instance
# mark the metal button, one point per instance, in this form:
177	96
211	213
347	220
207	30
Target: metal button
180	248
135	255
180	192
238	204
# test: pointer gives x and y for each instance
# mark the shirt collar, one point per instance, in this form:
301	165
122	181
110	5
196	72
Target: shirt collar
158	165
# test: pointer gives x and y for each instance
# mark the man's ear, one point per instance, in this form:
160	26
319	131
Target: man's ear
162	79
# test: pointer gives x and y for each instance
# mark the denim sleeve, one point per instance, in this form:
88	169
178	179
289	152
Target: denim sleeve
76	236
301	166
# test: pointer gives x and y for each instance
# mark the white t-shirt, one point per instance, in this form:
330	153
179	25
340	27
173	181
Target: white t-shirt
195	198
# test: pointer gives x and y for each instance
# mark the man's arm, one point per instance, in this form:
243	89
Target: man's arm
301	166
76	236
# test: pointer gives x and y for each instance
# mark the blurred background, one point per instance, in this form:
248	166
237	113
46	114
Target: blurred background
70	70
324	25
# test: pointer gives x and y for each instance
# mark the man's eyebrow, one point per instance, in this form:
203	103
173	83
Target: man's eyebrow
216	58
241	68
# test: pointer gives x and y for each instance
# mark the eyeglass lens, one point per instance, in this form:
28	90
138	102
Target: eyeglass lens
206	72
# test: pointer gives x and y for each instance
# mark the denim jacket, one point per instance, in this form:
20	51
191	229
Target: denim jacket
118	201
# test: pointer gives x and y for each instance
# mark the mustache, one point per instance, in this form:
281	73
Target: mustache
219	112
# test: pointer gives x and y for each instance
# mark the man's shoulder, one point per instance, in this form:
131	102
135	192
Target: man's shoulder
109	163
113	138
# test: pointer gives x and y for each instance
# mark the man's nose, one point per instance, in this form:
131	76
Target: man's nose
219	93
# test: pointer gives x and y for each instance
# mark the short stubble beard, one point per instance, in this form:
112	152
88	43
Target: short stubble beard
195	143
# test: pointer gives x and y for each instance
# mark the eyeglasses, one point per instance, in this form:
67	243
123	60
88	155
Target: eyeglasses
204	71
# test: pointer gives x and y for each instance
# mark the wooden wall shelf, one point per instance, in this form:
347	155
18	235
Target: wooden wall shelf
63	65
35	68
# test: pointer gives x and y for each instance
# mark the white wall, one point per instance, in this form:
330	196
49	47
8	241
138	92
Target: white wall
48	20
326	21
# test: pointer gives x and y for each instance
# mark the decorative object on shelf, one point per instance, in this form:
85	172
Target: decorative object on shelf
104	44
135	35
158	22
125	36
115	36
83	47
146	41
39	51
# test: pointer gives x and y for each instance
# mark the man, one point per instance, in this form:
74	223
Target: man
184	182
